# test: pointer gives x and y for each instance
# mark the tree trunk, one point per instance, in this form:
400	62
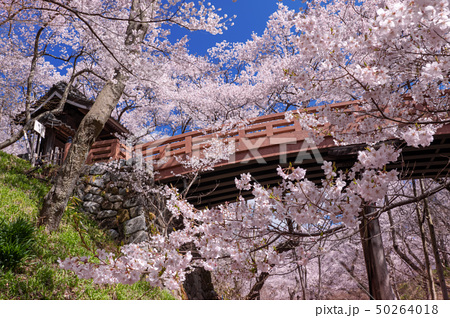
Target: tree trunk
255	292
303	281
398	251
351	271
28	91
198	285
443	248
437	259
429	273
90	127
11	140
372	243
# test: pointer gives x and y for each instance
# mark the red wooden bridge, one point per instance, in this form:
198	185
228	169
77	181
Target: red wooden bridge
263	145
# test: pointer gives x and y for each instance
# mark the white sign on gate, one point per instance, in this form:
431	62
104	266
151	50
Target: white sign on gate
39	128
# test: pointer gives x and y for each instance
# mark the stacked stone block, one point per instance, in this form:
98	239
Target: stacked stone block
108	198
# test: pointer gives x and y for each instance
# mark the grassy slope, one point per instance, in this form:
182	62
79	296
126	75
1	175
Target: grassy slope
39	276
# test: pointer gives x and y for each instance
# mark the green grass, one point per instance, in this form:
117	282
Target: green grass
17	241
37	275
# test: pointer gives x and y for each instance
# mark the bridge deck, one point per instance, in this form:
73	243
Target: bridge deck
430	162
268	142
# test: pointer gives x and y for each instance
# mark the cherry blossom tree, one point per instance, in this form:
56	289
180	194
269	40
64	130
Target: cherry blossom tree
326	53
389	55
117	52
337	270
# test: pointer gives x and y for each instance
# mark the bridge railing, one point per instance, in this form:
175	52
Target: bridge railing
162	153
106	150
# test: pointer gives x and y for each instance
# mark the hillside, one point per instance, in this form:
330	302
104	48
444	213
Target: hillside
28	256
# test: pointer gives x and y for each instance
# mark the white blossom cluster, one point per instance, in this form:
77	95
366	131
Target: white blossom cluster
248	237
392	56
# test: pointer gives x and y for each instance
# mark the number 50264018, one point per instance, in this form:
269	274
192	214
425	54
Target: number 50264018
407	309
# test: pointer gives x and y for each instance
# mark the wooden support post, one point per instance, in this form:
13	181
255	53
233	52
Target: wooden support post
38	146
128	151
188	145
269	130
240	143
372	243
33	149
115	149
28	146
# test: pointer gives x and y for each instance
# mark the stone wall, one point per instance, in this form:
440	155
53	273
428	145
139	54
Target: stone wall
108	197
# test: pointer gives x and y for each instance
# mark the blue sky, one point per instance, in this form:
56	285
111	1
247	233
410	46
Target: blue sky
252	16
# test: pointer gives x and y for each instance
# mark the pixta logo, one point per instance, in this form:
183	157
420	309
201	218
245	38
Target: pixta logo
254	149
154	155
